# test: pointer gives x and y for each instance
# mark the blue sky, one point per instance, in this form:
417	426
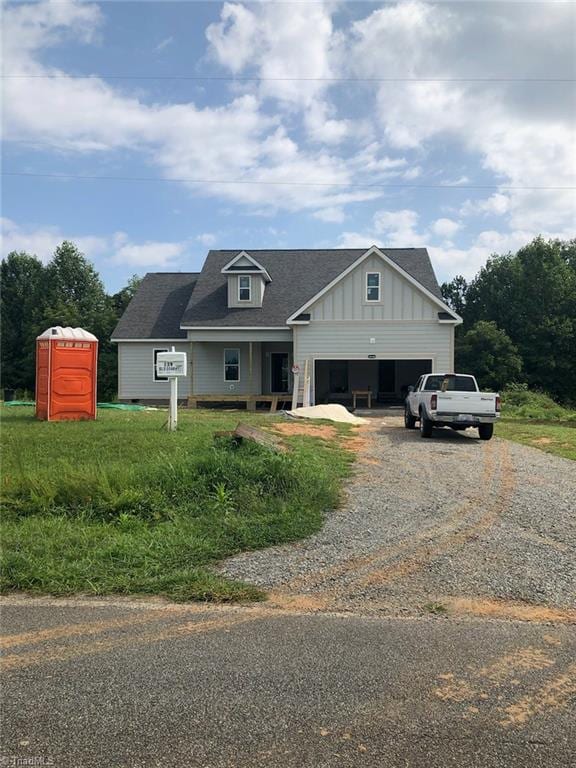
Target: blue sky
421	101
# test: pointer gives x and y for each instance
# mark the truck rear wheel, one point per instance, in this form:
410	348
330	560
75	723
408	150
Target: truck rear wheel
486	431
425	426
409	420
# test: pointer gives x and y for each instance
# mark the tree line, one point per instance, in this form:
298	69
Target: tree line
519	316
67	291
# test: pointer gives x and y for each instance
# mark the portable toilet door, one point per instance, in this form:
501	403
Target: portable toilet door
66	374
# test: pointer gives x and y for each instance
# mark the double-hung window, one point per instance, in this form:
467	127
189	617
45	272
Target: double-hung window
373	286
231	365
244	288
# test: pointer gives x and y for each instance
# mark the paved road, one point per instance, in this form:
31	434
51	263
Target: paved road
113	684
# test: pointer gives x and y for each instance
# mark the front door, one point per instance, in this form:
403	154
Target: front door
279	372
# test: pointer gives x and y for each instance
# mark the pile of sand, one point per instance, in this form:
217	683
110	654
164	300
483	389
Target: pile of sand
331	412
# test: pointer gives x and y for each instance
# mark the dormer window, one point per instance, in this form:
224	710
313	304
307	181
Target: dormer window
244	288
247	280
373	286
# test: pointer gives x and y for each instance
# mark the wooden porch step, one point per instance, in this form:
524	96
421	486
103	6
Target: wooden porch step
250	400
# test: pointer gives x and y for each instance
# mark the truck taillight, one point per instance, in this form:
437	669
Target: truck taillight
498	404
434	402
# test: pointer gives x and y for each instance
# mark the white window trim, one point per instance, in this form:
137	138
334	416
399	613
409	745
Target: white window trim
228	349
373	301
155	379
244	288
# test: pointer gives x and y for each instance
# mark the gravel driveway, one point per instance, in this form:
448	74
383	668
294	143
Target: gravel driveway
447	524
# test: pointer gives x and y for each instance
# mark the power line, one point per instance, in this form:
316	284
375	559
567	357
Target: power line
256	79
255	182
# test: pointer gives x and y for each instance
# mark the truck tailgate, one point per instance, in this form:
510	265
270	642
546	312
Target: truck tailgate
474	403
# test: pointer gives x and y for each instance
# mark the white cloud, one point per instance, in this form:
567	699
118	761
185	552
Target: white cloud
148	254
390	229
508	135
522	134
116	248
495	205
445	227
236	141
332	214
42	241
207	239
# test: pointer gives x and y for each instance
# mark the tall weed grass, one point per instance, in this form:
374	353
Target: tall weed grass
119	505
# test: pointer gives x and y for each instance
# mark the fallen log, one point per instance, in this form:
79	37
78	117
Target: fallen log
246	432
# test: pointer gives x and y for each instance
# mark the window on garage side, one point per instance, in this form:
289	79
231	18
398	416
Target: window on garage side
373	286
231	364
158	378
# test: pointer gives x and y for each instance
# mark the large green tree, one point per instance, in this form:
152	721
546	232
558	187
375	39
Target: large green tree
76	297
22	288
531	295
67	291
488	352
454	294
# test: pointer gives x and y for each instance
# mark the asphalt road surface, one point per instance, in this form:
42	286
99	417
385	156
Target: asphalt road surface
115	684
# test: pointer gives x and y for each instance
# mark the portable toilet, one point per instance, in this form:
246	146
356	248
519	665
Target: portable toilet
66	361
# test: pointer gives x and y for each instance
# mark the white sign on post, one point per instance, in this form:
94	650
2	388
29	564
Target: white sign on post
172	365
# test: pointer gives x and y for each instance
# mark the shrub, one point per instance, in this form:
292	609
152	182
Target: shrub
520	402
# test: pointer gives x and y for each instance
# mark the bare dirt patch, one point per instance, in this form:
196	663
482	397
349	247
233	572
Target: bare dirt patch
509	610
323	431
354	441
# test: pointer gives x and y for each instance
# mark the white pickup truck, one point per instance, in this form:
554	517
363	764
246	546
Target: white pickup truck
451	400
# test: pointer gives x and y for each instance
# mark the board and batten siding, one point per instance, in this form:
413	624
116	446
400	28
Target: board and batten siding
136	371
402	325
399	299
208	368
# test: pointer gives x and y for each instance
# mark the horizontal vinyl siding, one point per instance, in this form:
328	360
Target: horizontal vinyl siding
136	372
344	341
399	299
234	335
208	369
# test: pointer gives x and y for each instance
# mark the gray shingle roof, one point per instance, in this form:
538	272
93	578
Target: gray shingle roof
297	276
157	307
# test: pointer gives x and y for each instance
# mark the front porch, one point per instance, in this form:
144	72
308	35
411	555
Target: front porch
249	372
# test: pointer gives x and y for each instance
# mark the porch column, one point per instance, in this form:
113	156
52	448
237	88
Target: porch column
191	401
251	402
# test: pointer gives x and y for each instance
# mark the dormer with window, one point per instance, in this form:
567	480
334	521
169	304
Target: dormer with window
247	280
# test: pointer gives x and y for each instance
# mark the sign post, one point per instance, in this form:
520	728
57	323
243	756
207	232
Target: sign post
172	365
296	384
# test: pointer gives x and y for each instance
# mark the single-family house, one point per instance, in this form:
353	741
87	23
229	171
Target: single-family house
355	320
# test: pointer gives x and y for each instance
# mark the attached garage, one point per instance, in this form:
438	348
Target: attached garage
388	380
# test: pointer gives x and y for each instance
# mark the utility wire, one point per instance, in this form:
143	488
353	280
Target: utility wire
248	78
367	185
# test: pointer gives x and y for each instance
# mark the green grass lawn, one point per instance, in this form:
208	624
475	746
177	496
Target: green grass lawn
551	437
121	506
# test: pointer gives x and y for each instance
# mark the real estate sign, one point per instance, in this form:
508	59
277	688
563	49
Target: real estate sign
171	364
